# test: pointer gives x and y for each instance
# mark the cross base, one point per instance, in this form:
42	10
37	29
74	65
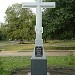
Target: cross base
29	73
38	66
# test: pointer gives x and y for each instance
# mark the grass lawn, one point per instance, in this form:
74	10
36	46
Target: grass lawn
16	47
61	61
10	64
60	45
50	45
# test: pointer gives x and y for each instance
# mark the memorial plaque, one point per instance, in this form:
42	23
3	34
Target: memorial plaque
38	51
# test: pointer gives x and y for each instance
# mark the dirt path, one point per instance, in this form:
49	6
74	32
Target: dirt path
48	53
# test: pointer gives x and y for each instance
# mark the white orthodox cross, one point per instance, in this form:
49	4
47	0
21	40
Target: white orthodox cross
38	28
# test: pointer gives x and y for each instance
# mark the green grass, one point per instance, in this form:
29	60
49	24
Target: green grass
50	45
10	64
17	47
63	61
60	45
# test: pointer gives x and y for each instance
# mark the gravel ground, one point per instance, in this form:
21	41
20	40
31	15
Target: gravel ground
48	53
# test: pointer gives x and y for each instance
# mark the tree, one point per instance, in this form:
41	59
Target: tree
3	32
59	23
20	22
0	35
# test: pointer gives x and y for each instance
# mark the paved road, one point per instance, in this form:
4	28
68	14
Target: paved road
48	53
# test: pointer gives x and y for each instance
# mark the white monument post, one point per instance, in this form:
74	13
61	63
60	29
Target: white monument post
38	60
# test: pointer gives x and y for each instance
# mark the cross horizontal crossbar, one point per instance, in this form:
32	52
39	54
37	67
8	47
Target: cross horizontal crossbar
42	4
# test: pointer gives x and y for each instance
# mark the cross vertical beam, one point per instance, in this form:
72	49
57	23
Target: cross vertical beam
38	20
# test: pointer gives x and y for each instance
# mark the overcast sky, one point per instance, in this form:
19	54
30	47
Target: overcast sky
5	3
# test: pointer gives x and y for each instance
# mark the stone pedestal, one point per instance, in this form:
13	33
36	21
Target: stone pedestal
38	61
38	66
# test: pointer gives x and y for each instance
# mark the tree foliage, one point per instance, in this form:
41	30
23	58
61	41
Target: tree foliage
59	22
20	22
3	32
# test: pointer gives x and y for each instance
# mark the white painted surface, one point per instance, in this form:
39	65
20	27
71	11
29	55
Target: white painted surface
38	28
